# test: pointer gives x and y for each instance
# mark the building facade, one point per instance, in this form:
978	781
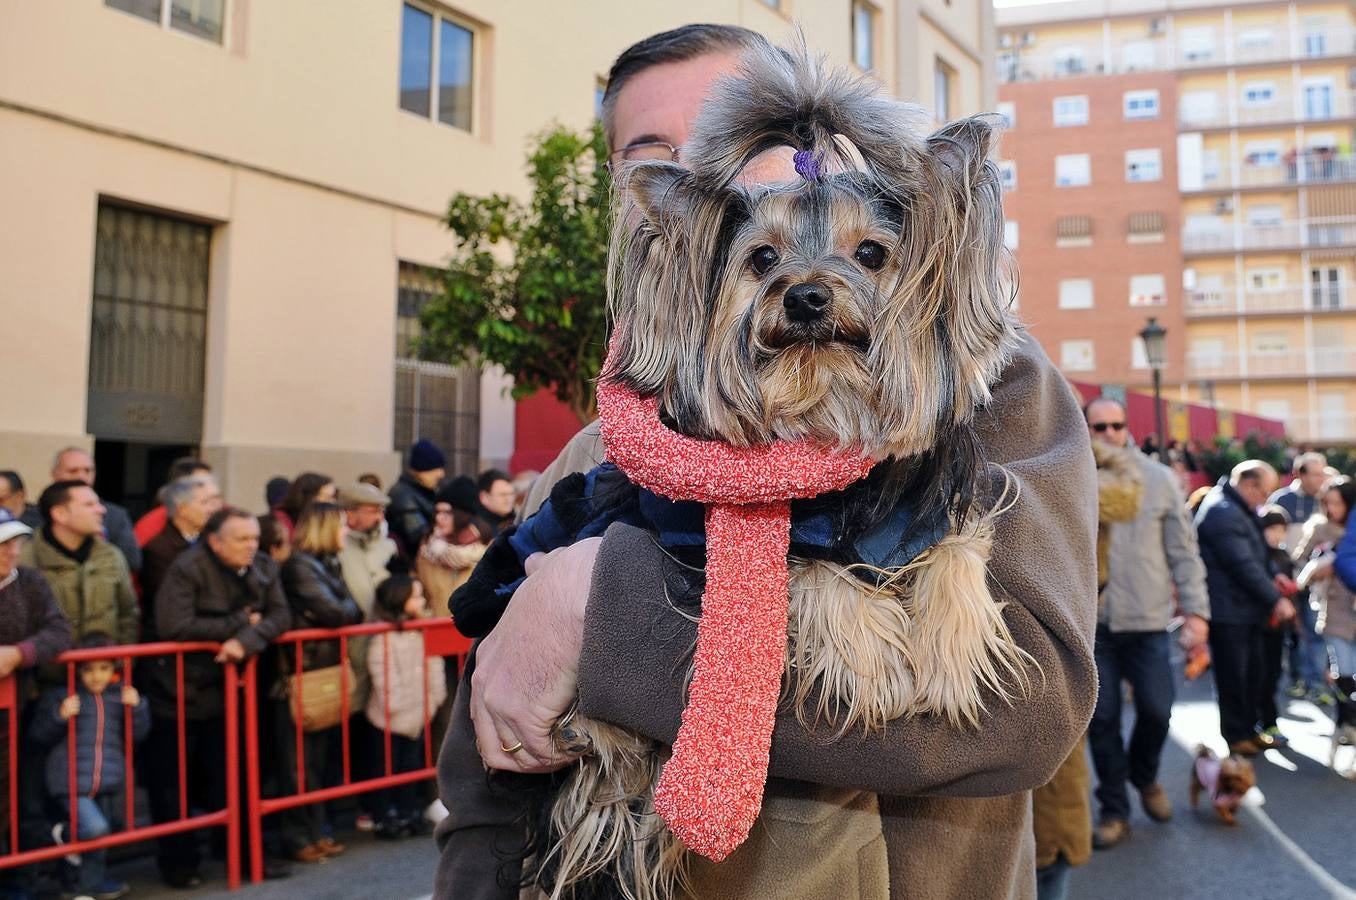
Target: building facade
216	215
1229	125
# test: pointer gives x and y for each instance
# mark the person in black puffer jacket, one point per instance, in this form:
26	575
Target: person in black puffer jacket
314	583
1244	596
100	766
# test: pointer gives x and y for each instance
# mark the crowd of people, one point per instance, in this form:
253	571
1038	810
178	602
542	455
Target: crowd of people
77	572
1256	578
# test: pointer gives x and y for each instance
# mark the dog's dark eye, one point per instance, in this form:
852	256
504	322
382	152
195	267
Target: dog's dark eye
870	254
763	259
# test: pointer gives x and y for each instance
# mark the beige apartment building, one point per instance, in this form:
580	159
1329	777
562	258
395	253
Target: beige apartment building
1255	103
215	214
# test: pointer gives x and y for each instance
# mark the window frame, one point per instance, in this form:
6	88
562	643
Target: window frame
439	15
1157	297
1069	302
165	21
1007	110
1007	174
1254	85
873	20
1139	95
943	88
1066	345
1087	159
1066	121
1143	154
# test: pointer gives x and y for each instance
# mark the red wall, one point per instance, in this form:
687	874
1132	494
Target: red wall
542	425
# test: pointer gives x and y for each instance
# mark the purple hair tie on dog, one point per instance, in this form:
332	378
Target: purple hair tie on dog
807	165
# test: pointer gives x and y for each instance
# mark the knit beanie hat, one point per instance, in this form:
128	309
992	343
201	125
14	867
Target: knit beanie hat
424	456
460	493
1273	515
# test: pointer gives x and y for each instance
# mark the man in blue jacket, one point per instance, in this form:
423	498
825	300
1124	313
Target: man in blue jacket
1243	597
1345	564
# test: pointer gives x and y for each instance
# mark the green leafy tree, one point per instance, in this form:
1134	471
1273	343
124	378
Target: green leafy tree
526	288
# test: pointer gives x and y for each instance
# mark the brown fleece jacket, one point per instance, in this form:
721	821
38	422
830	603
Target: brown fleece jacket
923	810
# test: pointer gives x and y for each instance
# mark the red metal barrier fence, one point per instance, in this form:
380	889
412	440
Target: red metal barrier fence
229	816
441	639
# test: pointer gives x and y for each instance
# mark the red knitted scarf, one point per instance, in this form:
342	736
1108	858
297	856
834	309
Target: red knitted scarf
710	791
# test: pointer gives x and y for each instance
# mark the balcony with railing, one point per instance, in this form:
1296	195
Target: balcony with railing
1263	364
1312	168
1314	107
1334	427
1234	300
1020	59
1294	235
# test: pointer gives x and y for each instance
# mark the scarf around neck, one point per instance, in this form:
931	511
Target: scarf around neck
711	789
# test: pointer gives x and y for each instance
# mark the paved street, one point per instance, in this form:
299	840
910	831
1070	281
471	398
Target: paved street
379	870
1296	843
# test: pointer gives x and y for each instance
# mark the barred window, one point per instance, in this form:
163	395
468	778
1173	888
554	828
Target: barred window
432	400
1144	223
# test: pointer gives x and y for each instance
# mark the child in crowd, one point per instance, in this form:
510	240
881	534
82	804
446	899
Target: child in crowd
1275	522
100	768
407	687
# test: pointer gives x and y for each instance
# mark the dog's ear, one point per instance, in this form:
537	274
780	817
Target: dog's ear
966	210
963	146
659	193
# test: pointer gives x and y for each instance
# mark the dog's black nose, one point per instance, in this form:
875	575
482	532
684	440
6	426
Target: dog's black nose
806	302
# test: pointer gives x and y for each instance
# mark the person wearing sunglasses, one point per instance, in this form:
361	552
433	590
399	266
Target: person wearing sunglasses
1149	556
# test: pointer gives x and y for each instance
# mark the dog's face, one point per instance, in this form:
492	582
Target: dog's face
844	309
1236	776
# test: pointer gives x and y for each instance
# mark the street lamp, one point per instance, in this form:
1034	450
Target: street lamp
1155	350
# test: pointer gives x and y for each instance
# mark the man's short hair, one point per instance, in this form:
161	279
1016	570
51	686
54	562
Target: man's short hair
676	45
221	516
58	493
489	477
185	466
179	492
56	458
15	482
1087	407
1304	461
1251	470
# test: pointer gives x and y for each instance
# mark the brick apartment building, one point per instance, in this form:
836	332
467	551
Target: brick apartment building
1190	160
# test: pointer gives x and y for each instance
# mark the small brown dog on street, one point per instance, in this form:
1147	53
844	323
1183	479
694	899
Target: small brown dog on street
1224	780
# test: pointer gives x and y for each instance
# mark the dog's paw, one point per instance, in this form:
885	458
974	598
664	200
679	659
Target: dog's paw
571	732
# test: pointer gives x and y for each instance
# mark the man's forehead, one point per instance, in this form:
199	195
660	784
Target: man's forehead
1102	410
660	102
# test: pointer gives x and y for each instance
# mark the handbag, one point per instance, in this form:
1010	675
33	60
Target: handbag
315	697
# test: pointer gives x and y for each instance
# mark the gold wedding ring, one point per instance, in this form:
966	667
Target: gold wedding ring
514	749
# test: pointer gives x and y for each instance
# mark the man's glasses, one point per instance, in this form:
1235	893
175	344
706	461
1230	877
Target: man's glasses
1100	427
644	152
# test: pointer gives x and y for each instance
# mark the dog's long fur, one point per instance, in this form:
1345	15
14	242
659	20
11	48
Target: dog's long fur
905	356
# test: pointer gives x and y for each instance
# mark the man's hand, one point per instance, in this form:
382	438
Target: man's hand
130	696
1284	610
527	668
1194	632
231	651
1285	584
69	708
10	658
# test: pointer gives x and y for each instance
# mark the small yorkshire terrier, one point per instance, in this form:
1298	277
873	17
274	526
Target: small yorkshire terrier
1224	781
865	306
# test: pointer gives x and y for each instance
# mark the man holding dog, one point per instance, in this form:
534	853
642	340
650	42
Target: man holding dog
1150	555
954	809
